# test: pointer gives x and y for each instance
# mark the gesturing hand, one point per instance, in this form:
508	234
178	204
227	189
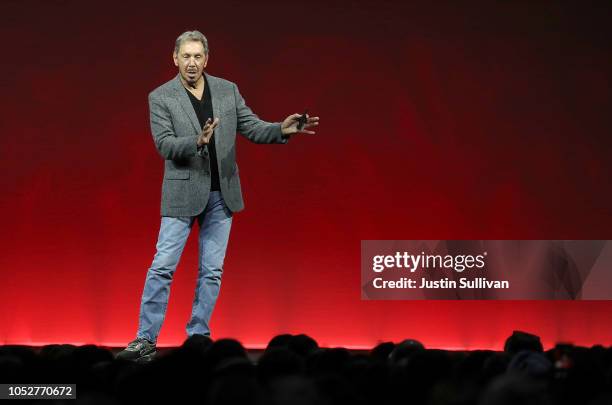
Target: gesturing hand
290	124
207	131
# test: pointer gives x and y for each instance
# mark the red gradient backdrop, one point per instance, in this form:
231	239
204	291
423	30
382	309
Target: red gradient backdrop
479	121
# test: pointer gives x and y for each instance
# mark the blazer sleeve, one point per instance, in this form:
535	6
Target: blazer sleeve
253	128
170	146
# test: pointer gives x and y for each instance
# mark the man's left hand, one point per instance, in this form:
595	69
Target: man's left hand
290	125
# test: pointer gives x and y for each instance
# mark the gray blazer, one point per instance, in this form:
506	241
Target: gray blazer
175	128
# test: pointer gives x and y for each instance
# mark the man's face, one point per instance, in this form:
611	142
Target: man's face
191	61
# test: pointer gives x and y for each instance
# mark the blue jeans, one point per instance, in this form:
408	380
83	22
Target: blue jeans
215	223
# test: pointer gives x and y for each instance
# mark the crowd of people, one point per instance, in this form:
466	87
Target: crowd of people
293	369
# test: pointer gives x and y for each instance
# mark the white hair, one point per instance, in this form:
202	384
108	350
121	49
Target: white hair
191	36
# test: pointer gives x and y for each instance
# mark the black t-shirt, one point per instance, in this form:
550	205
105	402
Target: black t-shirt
203	110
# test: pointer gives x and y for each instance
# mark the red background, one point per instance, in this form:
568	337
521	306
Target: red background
479	121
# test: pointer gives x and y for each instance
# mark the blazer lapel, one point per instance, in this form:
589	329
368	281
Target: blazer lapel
185	103
215	95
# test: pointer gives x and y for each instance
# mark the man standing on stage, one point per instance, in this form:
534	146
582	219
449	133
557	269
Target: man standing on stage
194	120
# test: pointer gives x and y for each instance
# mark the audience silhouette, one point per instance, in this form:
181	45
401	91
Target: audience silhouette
294	370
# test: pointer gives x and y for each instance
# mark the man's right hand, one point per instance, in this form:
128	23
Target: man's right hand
207	131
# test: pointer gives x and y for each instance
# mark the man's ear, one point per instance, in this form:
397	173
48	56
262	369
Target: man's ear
205	60
175	58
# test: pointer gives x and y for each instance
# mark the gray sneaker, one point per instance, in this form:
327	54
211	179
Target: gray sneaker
139	349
